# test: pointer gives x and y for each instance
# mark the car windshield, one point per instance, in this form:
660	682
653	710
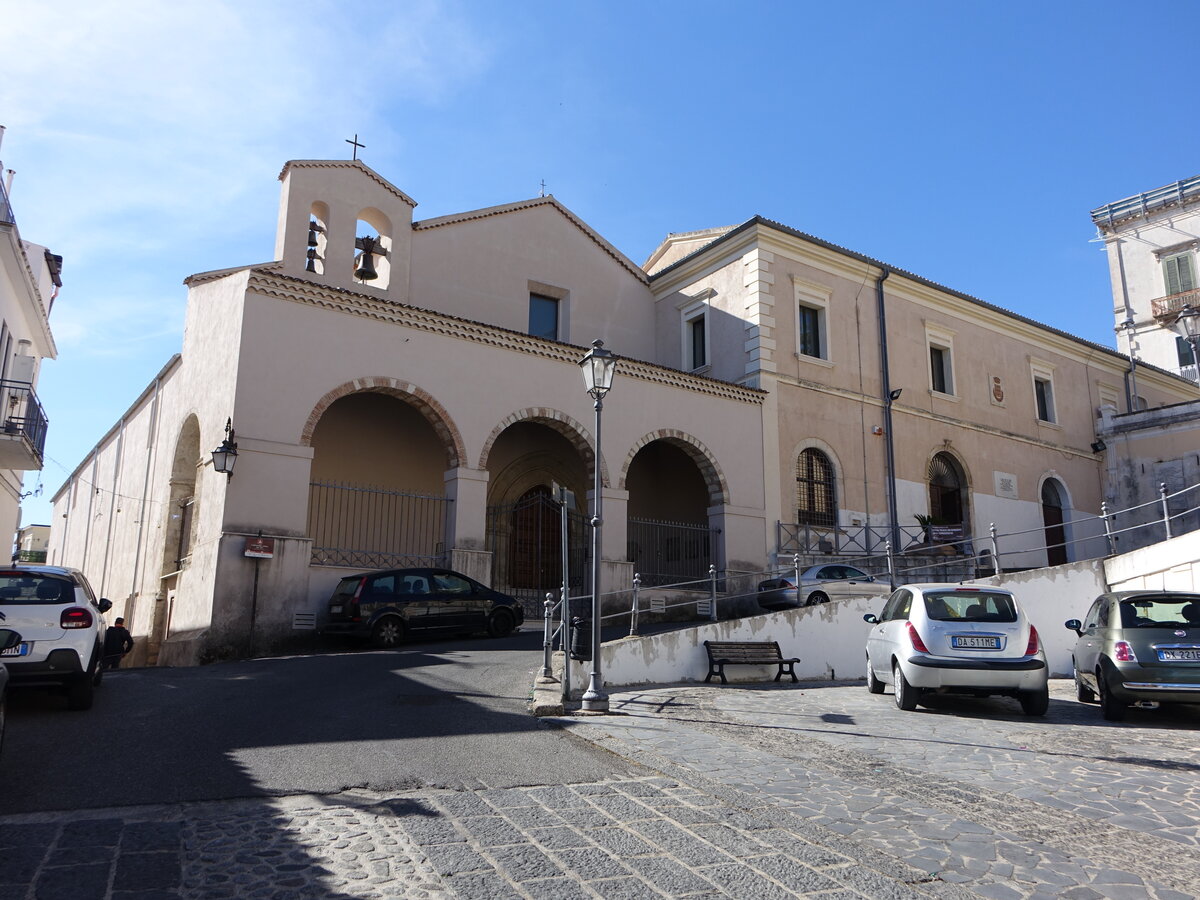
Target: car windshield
970	606
30	588
1157	612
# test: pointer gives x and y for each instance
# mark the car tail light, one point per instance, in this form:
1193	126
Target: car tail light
1124	652
918	644
1032	647
75	617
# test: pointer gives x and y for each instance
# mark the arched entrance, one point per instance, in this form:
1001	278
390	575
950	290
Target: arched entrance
178	533
534	462
377	493
948	493
1053	504
670	540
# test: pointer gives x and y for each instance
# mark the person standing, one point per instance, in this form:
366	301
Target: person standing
117	642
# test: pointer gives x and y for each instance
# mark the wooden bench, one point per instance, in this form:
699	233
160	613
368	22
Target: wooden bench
747	653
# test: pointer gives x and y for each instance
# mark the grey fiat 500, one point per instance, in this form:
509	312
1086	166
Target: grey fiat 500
1138	648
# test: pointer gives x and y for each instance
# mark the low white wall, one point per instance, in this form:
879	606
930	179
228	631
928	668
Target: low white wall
1172	565
830	639
1052	595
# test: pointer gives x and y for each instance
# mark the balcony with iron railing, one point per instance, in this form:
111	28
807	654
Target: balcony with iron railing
1170	306
23	434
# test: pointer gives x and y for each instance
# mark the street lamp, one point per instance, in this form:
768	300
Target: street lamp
597	366
1187	326
225	456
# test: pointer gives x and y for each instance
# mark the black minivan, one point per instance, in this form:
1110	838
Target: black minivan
386	606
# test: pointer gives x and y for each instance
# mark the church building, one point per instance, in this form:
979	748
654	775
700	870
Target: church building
403	392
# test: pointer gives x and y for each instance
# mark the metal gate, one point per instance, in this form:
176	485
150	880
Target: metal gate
372	528
671	552
525	539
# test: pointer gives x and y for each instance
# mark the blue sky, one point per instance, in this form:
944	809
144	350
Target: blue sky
962	141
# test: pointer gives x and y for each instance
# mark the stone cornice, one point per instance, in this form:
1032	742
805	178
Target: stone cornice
295	290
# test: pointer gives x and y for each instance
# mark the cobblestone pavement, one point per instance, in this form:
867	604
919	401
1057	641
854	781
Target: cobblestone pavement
752	791
971	792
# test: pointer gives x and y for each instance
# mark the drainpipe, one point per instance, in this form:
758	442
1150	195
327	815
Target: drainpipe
893	525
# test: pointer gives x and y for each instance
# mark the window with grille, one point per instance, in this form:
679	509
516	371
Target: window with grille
816	491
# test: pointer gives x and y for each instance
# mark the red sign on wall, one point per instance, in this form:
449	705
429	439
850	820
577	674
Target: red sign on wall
260	547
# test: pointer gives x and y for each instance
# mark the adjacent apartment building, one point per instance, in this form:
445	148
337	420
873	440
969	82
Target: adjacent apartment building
29	283
403	392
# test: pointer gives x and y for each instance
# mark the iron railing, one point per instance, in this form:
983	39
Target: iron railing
1148	201
525	539
665	552
23	414
375	528
33	556
1173	304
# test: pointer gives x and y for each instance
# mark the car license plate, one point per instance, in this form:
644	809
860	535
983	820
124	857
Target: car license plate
22	649
1180	654
974	642
336	609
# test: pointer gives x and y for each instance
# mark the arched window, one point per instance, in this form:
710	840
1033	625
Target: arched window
947	490
816	491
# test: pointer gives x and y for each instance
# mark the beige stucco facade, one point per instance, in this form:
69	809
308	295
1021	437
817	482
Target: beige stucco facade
29	283
425	389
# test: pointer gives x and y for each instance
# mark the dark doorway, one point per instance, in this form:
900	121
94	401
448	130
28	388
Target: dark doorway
1052	519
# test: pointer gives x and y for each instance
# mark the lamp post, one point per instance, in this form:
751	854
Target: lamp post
597	366
1131	332
1187	326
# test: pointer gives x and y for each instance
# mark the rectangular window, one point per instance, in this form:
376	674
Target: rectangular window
1044	393
1177	273
810	332
543	317
1183	348
942	380
696	335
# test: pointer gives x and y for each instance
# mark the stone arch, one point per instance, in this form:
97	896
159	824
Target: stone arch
555	421
433	412
948	461
714	478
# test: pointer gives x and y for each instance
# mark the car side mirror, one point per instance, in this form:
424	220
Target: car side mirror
105	605
1075	625
871	617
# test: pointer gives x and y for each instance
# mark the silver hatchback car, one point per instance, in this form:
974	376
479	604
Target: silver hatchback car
953	639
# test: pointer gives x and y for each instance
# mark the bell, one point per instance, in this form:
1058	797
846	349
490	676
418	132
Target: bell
365	270
311	265
313	230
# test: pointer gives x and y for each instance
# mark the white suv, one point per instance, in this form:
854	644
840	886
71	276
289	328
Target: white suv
61	624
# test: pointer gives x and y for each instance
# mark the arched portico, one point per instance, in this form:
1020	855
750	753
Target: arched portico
530	457
377	492
677	494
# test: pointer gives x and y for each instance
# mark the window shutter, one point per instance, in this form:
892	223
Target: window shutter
1177	271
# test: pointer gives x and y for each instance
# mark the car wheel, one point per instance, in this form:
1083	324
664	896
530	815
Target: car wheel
906	695
817	597
500	624
1083	693
80	692
99	676
1035	703
387	633
874	685
1111	708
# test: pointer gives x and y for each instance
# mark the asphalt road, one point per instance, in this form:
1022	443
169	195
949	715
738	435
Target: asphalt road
431	714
